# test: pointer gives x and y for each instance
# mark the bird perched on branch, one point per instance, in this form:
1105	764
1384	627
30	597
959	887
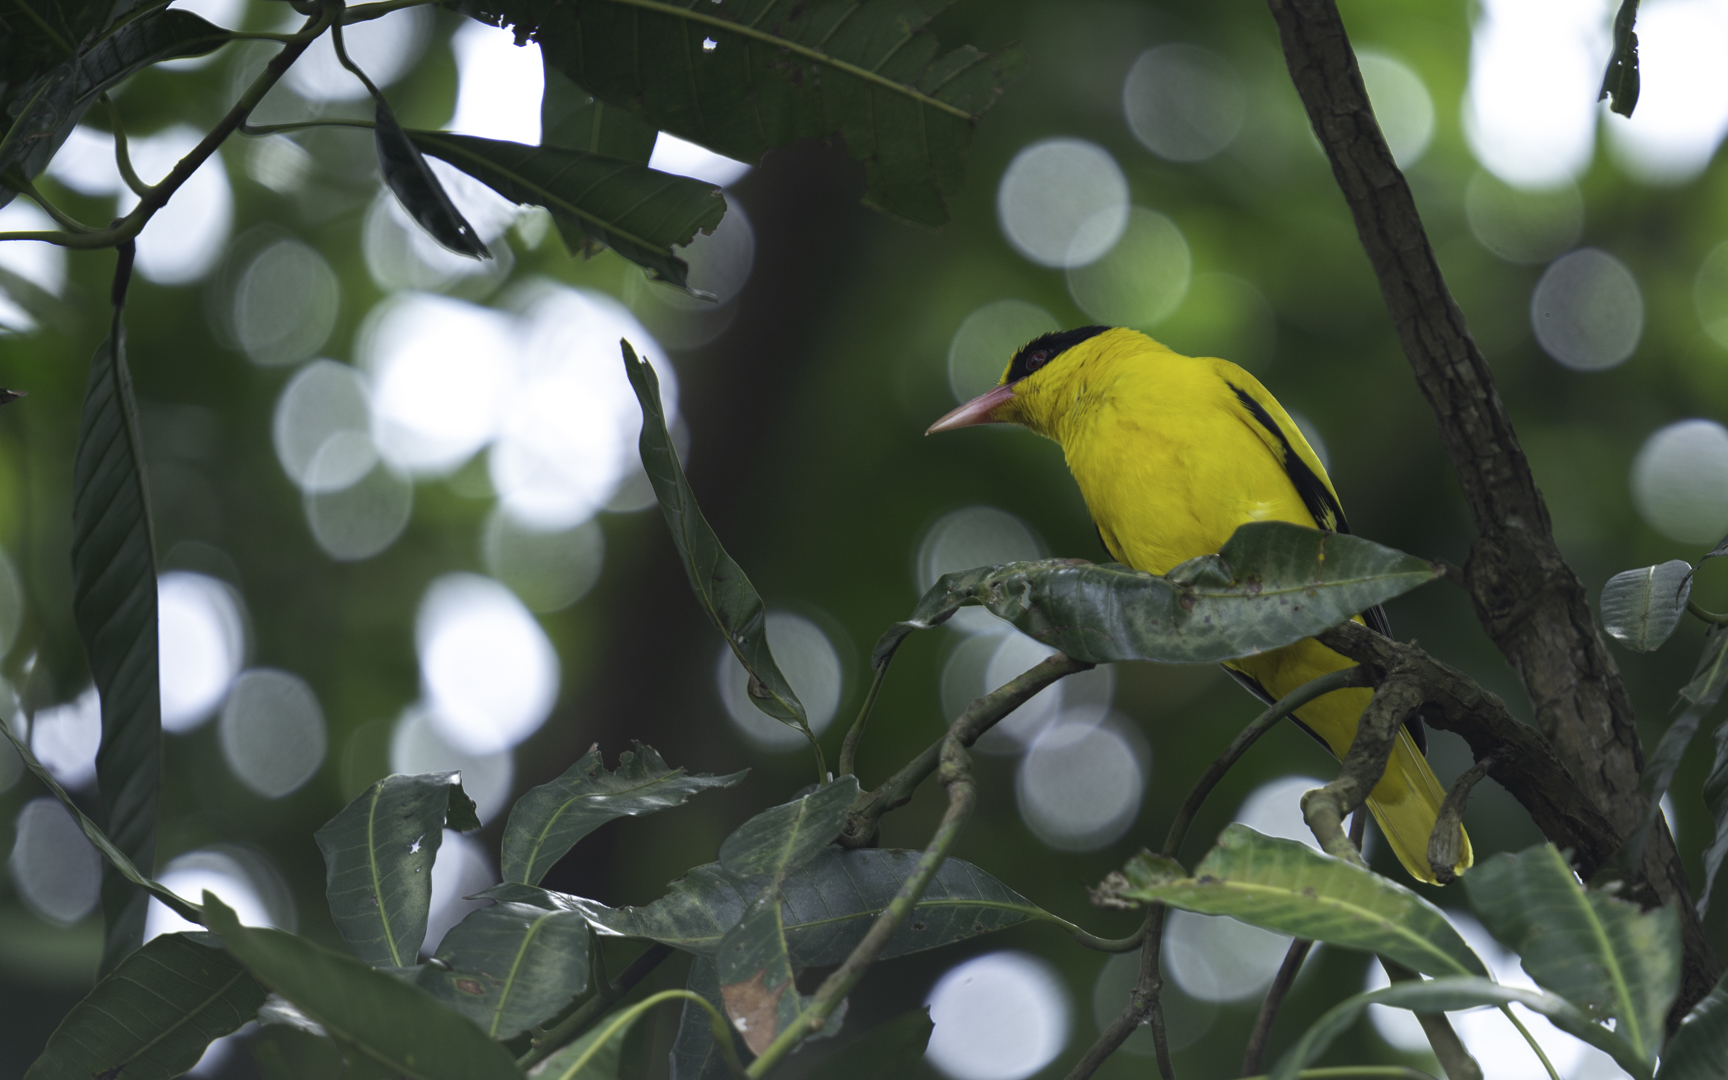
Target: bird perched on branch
1172	453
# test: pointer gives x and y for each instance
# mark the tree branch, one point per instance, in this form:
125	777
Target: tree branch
1529	600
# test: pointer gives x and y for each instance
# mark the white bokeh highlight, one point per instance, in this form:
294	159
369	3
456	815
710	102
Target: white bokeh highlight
488	672
1682	111
42	265
1080	785
1217	959
1680	481
272	732
1001	1016
1587	310
811	665
285	304
385	48
987	339
201	627
184	238
971	537
1535	69
417	746
499	84
55	870
322	425
1062	202
1184	103
1141	280
190	875
462	869
65	739
684	158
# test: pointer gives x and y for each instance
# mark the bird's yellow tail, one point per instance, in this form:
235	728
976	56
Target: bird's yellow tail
1406	803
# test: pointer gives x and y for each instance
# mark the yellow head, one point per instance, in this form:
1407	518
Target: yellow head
1050	380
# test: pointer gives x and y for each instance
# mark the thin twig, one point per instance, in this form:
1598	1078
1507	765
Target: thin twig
122	155
855	733
1454	1059
1445	843
1698	612
1281	983
17	182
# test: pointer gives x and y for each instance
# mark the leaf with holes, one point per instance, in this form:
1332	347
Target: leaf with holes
573	118
510	966
745	76
597	201
1601	954
1271	584
378	855
1289	888
155	1015
1640	608
719	582
549	820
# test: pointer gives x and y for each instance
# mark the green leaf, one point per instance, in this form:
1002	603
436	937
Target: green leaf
287	1053
719	582
1291	889
1272	583
828	906
571	117
891	1050
1450	994
785	837
1711	676
603	1065
549	820
114	605
418	188
1601	954
596	200
45	110
372	1015
695	1055
1716	798
780	71
1621	80
1699	1050
510	966
378	855
154	1016
1640	608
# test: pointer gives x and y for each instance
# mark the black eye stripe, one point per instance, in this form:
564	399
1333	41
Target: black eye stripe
1040	351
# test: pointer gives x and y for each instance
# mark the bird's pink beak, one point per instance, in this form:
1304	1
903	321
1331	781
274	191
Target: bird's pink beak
974	412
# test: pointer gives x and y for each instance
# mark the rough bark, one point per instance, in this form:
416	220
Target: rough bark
1531	603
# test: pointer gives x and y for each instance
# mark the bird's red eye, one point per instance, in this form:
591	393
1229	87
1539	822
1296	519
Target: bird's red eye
1037	360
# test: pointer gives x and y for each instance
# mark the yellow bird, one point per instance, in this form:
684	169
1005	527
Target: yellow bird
1172	453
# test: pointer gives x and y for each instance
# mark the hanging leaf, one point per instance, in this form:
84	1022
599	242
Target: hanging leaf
1291	889
44	109
114	605
1699	1050
510	966
745	76
155	1015
549	820
571	117
1640	608
418	189
1621	80
1271	584
1450	994
372	1015
597	201
378	855
829	905
719	582
1601	954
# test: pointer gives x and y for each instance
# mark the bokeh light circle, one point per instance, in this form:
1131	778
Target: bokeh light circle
1682	109
55	870
1519	225
489	673
416	746
811	665
285	304
359	520
1587	311
1680	481
1710	294
1184	103
202	633
499	84
255	902
548	570
183	240
1535	68
1215	958
272	731
461	869
987	339
1001	1016
971	537
1139	281
65	739
325	404
1062	202
1275	809
385	48
1079	786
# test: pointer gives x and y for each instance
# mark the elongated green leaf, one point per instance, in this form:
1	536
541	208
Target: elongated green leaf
571	117
719	582
785	837
287	1053
1290	888
418	189
889	1051
155	1015
1711	676
371	1014
116	858
606	1043
1699	1050
596	200
828	906
1716	798
378	855
783	70
1640	608
549	820
1601	954
510	966
44	110
1272	583
695	1055
1450	994
114	605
